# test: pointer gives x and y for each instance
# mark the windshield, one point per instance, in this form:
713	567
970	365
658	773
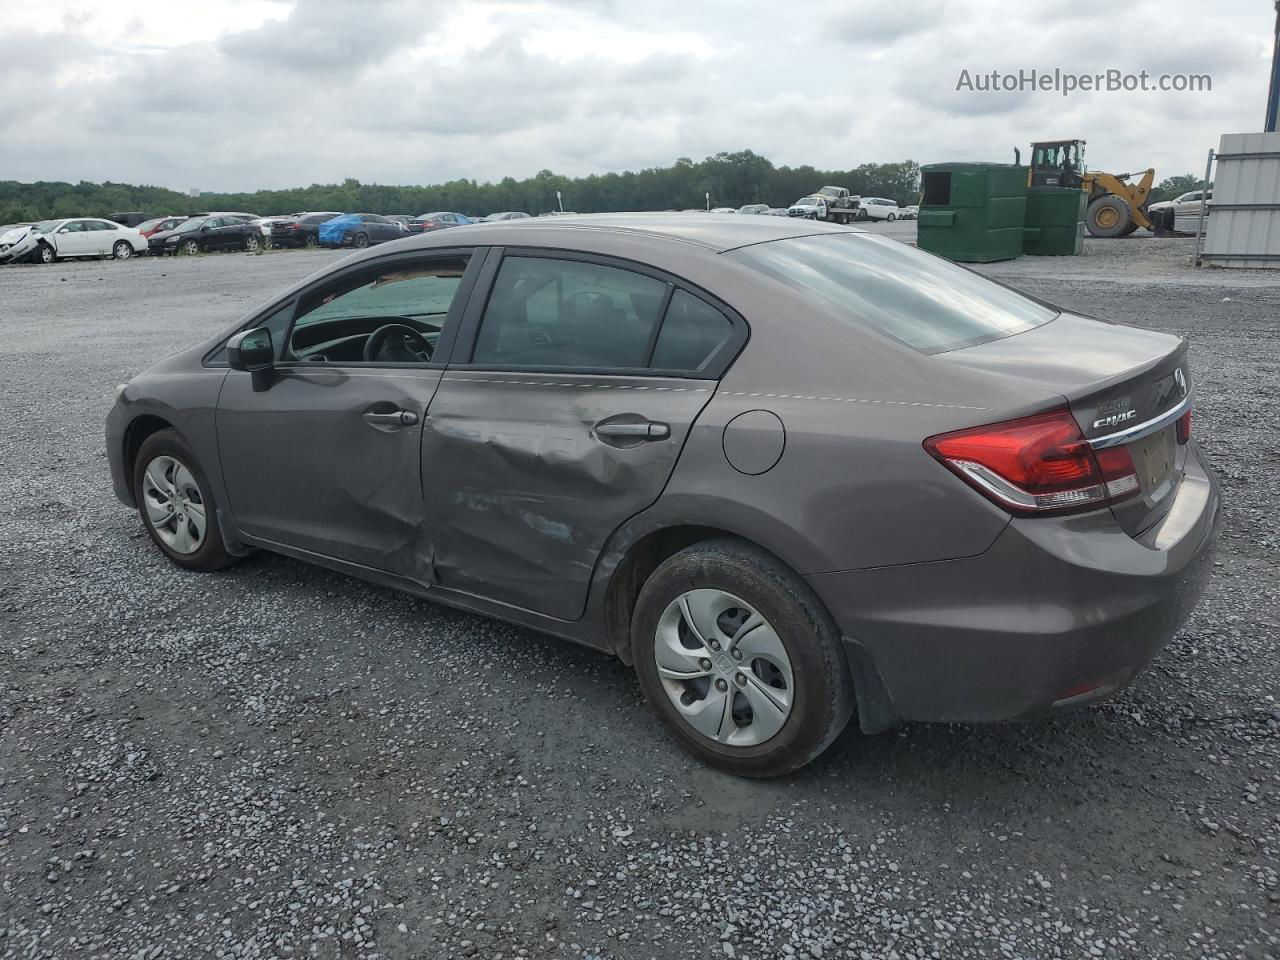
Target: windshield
925	302
192	224
47	226
808	201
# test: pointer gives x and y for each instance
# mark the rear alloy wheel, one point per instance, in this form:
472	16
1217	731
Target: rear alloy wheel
45	254
892	217
176	504
191	247
311	241
740	659
251	243
123	250
361	241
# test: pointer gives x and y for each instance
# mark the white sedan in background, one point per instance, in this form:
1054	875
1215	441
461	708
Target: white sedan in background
51	240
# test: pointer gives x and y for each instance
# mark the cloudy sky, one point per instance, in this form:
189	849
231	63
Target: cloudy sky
242	94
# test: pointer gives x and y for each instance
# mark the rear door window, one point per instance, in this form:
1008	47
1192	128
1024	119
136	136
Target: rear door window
569	313
922	301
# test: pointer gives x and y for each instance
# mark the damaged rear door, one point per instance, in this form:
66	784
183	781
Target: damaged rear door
325	459
580	379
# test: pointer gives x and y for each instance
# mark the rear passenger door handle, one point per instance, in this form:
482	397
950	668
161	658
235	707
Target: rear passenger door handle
395	418
645	430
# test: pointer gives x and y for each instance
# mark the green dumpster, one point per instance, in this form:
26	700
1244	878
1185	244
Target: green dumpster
973	212
1055	222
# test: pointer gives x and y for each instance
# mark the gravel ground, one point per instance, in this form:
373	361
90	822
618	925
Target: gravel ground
277	761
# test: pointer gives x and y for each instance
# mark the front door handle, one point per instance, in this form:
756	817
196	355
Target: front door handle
395	418
645	430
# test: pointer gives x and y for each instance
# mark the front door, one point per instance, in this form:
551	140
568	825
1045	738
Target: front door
566	420
75	239
327	458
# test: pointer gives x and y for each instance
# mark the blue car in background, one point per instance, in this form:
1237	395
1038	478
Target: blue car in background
359	230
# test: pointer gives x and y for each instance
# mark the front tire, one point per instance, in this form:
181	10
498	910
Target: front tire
176	503
191	247
1108	216
45	254
122	250
740	659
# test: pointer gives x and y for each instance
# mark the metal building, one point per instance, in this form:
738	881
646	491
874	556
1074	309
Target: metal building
1244	226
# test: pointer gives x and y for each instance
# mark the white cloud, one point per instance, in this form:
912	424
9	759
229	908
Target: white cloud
241	94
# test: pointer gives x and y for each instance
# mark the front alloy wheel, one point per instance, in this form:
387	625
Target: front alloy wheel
45	254
175	505
191	248
724	668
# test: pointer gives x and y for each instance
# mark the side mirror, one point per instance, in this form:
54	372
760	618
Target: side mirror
252	352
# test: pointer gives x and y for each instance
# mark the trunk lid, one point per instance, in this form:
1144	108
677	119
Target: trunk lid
1124	386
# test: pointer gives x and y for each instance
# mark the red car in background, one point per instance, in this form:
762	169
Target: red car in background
159	225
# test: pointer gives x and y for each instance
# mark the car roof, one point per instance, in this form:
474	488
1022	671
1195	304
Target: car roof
715	234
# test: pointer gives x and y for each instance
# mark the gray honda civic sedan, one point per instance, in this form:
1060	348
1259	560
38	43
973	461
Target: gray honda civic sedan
791	472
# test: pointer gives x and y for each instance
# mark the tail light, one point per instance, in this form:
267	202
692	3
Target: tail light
1037	465
1184	427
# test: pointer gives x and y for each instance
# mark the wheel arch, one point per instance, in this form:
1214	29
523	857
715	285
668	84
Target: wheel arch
633	557
135	434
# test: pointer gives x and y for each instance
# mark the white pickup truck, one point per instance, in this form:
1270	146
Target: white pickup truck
832	204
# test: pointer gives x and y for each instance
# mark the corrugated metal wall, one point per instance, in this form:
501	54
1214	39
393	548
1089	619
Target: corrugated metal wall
1243	227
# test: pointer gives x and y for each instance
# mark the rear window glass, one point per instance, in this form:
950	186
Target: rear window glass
925	302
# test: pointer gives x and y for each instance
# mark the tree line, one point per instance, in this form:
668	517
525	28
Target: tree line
730	179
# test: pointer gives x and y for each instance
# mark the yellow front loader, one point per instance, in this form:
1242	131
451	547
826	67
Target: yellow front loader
1116	206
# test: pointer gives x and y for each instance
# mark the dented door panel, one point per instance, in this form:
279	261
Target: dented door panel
305	466
522	490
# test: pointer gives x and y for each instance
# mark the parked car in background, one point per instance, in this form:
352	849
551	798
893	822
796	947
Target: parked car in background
301	230
506	215
793	472
404	219
10	233
878	208
359	230
754	208
207	233
723	210
911	212
776	212
441	220
1186	204
812	207
131	219
149	228
51	240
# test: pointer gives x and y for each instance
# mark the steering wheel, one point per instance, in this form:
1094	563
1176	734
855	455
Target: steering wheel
401	341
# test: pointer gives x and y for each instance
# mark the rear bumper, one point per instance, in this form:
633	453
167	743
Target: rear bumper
1057	613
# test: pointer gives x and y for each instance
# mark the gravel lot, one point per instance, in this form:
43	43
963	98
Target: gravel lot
278	761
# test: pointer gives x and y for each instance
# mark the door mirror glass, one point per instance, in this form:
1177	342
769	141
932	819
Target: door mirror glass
251	350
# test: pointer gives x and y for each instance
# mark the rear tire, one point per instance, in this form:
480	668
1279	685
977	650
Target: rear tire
1108	216
176	503
251	243
122	250
892	217
311	242
361	241
792	680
